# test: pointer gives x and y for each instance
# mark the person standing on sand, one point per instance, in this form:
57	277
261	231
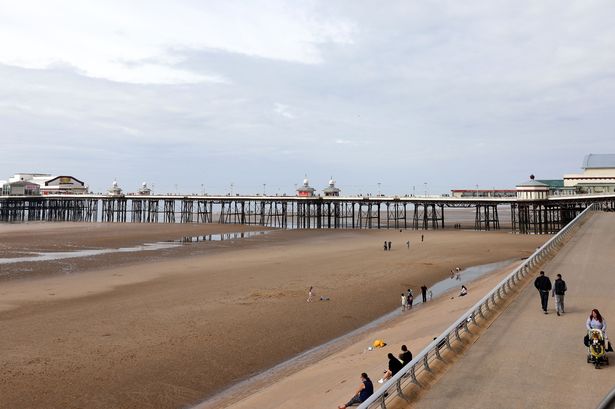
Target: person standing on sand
385	246
424	293
404	302
410	298
389	246
543	285
408	244
365	391
559	289
310	294
422	238
430	295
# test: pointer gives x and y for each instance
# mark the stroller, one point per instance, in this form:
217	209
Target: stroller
596	350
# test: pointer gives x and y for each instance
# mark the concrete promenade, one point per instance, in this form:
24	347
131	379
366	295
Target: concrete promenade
527	359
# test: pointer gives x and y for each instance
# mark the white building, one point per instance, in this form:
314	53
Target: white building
144	190
598	175
532	190
52	185
114	190
331	190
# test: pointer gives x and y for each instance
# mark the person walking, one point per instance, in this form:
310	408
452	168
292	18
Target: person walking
310	294
389	246
422	238
424	293
543	285
385	246
404	302
408	244
559	289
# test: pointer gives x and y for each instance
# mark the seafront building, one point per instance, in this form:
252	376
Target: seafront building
331	190
42	184
305	190
598	175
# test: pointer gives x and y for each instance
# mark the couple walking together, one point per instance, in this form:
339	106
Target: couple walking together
558	290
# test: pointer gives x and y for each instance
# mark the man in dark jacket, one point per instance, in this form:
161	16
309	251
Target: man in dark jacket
559	289
543	285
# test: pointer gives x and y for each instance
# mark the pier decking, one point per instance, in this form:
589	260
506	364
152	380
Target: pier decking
527	216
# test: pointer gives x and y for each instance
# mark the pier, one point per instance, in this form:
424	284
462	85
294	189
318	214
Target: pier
543	216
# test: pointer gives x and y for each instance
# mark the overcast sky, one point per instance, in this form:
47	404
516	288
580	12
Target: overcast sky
208	93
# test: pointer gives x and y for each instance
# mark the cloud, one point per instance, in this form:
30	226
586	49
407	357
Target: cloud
283	110
142	43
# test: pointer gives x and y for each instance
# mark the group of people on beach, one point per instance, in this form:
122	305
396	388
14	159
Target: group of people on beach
366	387
388	245
558	291
407	299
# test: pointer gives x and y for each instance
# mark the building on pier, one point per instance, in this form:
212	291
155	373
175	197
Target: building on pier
532	190
114	190
483	193
331	190
144	190
598	175
19	188
305	190
50	184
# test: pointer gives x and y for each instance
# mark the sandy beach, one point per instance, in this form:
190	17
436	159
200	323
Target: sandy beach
168	328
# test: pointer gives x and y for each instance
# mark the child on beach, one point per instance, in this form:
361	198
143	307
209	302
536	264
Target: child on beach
404	302
310	294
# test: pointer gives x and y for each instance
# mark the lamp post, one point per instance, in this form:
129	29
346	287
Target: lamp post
425	183
378	189
413	191
264	189
477	190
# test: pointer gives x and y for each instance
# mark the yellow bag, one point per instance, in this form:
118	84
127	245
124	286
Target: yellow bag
378	343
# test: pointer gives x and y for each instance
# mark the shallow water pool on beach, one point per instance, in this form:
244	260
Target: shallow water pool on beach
161	245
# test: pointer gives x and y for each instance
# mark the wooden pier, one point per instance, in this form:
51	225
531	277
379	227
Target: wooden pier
527	216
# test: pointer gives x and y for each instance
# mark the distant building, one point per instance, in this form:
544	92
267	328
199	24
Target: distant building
483	193
598	175
331	190
532	190
20	188
557	188
306	190
114	190
144	190
52	185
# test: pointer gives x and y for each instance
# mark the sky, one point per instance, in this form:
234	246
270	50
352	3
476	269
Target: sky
397	96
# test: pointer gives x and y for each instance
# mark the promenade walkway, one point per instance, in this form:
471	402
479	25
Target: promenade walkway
530	360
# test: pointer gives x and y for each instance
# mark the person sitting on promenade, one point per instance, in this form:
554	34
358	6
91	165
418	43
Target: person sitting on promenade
366	389
394	366
464	291
406	356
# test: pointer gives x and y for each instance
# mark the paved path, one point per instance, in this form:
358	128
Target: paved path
531	360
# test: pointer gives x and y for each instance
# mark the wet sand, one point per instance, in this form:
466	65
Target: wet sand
165	331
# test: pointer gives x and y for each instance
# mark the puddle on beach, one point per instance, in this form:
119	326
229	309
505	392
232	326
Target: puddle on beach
161	245
312	355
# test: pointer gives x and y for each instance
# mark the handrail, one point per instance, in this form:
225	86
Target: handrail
608	402
421	362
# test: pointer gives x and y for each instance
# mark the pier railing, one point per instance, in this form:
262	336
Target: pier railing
393	389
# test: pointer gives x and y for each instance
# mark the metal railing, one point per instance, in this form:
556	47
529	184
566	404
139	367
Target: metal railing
608	402
422	362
